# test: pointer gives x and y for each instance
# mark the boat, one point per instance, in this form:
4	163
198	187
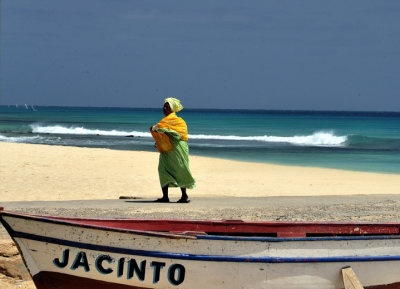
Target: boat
65	253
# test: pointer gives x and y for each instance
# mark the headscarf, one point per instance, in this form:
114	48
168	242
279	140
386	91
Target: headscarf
174	104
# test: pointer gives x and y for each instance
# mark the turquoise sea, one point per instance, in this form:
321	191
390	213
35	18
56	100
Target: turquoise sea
360	141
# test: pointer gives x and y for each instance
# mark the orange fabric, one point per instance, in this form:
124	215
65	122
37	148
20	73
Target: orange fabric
171	122
175	123
163	143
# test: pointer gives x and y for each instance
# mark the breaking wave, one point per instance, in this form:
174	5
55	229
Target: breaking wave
315	139
21	139
320	138
57	129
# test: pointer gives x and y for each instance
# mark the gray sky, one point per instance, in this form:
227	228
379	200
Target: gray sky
313	55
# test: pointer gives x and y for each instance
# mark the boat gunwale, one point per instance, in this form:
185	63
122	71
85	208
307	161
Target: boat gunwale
195	257
71	222
203	257
89	226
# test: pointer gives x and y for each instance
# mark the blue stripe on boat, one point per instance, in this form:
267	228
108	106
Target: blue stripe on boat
214	258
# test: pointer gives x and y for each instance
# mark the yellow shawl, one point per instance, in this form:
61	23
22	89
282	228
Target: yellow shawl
170	122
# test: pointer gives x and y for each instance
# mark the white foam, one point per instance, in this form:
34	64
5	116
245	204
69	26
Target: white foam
18	138
316	139
57	129
321	138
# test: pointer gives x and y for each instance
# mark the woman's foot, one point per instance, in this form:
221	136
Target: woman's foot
162	200
183	200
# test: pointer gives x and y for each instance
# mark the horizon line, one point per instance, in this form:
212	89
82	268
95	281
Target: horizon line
212	109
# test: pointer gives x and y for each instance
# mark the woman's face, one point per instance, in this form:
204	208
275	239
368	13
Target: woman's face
166	109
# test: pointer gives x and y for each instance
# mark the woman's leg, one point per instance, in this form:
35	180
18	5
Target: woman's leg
185	197
184	194
165	192
165	198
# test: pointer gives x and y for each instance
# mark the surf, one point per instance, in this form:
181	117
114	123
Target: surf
319	138
80	130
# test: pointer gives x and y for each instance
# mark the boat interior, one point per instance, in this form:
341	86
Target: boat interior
245	228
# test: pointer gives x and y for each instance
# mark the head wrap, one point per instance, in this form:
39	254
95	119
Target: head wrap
174	104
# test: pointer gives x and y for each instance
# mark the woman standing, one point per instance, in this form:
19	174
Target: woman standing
171	137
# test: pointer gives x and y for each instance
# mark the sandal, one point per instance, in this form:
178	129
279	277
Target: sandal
184	201
162	200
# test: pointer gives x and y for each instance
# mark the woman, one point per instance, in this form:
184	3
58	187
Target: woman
171	137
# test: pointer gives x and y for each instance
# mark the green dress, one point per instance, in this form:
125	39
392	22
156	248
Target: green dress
173	166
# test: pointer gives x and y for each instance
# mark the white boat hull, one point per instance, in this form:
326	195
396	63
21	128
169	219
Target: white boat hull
73	255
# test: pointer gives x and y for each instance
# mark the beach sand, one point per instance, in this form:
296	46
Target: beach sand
31	172
46	179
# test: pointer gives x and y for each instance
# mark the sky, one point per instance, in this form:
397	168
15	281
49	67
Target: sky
229	54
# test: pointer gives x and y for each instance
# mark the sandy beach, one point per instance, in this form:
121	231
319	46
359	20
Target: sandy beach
47	173
47	179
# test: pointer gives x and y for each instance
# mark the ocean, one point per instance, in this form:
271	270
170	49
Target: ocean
358	141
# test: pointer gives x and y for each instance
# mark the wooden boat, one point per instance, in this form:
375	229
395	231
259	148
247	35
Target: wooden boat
66	253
